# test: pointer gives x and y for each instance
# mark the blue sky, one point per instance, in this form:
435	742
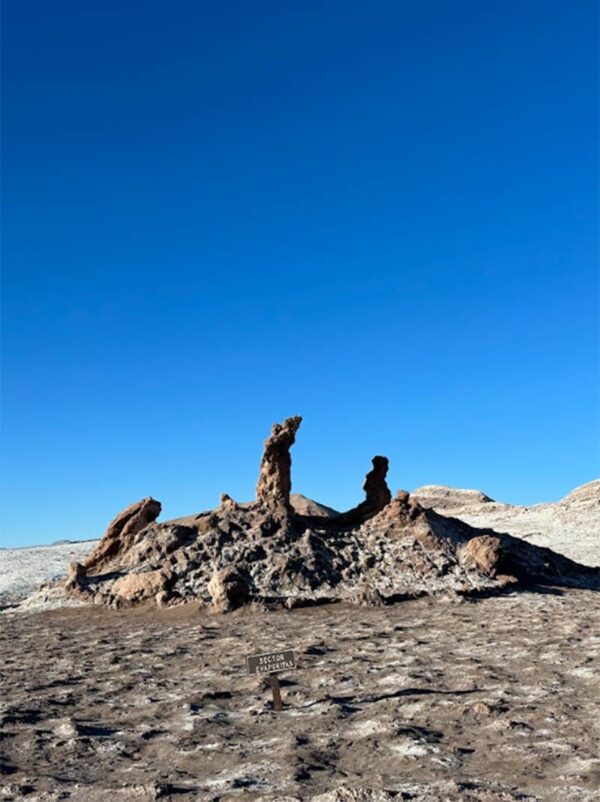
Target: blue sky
382	216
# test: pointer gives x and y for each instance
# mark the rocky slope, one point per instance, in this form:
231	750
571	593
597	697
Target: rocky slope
265	551
570	526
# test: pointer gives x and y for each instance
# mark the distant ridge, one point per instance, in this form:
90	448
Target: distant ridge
570	526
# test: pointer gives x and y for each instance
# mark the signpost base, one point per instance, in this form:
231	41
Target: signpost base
277	703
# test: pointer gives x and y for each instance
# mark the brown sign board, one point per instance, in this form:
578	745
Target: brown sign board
271	662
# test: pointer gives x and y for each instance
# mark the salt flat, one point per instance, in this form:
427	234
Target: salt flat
22	571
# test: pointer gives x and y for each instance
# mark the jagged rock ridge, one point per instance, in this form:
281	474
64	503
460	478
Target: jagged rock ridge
382	550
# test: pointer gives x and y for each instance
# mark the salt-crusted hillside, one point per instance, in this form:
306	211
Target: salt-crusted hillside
570	526
22	571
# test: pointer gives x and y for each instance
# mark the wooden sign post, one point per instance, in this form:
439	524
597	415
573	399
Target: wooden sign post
270	663
277	703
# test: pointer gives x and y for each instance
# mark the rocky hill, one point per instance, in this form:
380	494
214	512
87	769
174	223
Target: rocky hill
268	551
570	526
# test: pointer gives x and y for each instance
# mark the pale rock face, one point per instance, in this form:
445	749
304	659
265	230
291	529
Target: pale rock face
306	506
570	526
448	499
136	587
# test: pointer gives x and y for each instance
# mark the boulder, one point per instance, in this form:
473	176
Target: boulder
137	587
228	590
485	553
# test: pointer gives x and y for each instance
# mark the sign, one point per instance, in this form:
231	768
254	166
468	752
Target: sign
270	662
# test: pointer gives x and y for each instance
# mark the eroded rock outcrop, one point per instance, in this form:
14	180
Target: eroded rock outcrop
377	495
121	534
274	480
383	550
228	590
76	581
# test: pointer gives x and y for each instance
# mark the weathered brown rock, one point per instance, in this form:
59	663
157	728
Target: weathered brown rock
485	553
268	550
76	583
377	495
121	534
376	490
228	590
77	576
274	480
227	501
137	587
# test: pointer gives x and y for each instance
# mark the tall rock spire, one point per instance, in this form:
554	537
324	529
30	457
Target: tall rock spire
274	479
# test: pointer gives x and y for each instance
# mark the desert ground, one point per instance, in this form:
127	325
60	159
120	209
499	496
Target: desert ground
128	681
23	571
432	699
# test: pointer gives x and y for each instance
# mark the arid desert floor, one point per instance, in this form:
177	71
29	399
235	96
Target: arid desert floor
432	699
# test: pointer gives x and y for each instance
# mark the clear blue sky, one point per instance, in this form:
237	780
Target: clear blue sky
382	216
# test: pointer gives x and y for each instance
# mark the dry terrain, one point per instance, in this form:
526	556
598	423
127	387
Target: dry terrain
570	526
432	699
467	668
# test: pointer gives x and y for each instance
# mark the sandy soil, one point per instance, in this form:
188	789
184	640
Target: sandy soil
494	699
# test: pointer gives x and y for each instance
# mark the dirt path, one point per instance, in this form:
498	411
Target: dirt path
496	699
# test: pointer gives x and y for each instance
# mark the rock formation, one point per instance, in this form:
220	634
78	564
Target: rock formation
270	551
570	526
121	534
377	495
274	480
228	590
